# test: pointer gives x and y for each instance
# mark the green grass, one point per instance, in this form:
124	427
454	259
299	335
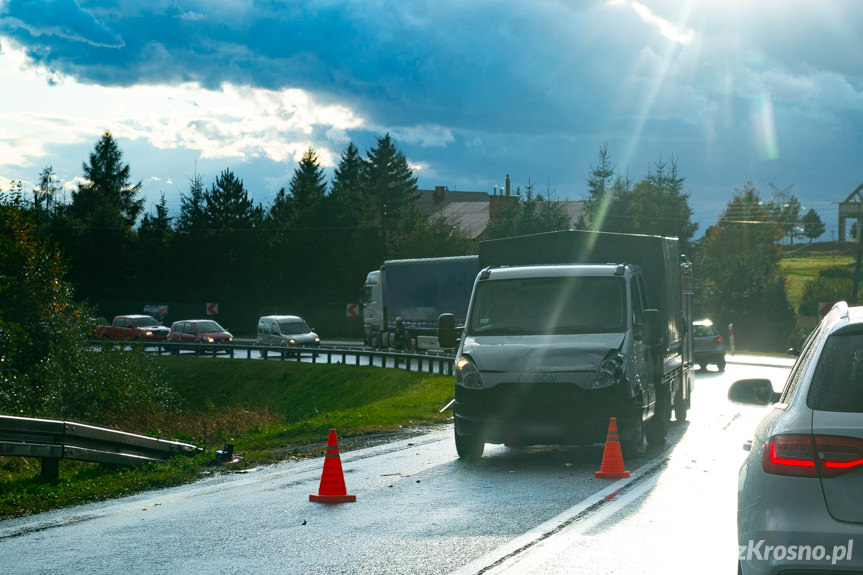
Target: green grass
269	410
802	263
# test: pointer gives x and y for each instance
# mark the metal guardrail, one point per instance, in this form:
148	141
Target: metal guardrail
51	441
440	363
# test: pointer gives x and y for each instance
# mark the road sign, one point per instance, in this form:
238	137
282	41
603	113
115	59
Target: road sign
353	310
824	308
212	308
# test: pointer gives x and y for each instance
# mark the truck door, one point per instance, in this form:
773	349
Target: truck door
644	355
126	329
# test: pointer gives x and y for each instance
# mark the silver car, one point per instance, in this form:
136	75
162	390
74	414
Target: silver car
800	489
708	346
286	331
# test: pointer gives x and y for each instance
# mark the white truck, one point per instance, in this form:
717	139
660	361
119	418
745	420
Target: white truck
568	329
410	295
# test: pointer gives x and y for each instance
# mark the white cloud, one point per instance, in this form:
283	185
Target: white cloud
427	136
231	122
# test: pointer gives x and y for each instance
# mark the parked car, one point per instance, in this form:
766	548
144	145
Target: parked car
199	331
286	331
799	504
708	345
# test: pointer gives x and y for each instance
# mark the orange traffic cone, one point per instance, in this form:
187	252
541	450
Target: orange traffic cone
612	457
332	489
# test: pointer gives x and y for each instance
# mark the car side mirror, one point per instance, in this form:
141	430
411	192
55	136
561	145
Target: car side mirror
753	392
446	333
650	327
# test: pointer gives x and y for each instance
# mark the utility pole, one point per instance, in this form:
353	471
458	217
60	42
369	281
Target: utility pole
859	254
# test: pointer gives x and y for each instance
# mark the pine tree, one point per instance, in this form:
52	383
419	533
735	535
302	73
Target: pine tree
107	197
227	205
308	184
813	227
348	181
103	212
191	219
599	191
391	194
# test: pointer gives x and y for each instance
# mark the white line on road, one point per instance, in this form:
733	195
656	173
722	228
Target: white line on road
576	519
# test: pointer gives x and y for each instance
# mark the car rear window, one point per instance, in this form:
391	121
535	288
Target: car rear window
837	384
703	330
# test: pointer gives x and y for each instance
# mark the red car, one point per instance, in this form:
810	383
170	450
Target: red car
199	331
137	327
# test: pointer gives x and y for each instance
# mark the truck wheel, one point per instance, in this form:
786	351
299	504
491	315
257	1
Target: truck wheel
657	427
632	437
469	447
376	340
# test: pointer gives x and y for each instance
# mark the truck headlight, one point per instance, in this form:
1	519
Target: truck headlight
467	374
609	373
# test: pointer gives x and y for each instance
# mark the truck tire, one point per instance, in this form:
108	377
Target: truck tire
681	406
376	340
657	427
632	437
469	447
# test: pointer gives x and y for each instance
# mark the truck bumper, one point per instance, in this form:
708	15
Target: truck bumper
540	414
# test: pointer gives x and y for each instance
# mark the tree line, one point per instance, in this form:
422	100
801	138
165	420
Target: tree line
307	250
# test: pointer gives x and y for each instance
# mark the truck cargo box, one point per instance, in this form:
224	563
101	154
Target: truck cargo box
657	256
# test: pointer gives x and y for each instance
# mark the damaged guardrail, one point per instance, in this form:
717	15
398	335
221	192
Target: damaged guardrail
51	441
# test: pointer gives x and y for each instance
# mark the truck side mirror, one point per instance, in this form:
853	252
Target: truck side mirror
650	328
446	334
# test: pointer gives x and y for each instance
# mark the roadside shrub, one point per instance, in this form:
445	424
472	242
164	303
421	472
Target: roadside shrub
830	285
47	367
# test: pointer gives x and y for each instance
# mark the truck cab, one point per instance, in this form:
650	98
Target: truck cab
549	353
566	330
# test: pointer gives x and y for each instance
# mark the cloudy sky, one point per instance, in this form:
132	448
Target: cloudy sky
768	92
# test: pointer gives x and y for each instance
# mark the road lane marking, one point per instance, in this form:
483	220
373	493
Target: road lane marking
596	508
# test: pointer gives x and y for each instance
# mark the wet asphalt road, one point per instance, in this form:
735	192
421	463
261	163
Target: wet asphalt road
421	510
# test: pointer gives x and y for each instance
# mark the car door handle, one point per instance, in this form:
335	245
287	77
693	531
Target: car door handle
747	445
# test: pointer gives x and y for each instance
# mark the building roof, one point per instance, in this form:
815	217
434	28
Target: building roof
470	210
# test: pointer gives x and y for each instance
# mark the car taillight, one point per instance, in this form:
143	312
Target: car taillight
812	455
717	339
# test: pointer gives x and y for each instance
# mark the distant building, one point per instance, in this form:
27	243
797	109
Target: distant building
471	211
851	208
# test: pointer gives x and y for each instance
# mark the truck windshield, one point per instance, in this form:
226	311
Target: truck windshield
549	305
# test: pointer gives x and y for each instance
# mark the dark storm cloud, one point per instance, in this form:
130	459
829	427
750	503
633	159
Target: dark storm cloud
765	91
500	66
57	21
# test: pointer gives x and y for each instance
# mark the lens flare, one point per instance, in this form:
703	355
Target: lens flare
764	127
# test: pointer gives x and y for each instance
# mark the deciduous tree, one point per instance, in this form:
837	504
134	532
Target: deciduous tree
738	277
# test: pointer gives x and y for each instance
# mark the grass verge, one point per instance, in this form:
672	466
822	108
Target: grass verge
269	410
